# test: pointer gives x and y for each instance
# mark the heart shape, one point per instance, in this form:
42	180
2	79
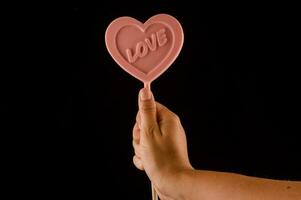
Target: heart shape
145	50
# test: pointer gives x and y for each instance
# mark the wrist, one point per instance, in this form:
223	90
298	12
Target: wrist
176	183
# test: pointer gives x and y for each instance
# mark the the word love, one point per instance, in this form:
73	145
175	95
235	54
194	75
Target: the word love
156	40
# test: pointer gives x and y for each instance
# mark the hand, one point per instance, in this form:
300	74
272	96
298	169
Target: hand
159	142
160	149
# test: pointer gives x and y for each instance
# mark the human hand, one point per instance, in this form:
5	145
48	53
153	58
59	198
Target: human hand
159	142
160	149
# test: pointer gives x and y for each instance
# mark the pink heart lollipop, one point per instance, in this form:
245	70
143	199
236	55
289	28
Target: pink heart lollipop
145	50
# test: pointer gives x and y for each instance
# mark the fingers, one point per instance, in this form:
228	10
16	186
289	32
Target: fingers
147	110
136	149
164	114
136	140
138	120
136	133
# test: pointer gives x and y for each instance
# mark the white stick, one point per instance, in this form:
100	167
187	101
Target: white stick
154	193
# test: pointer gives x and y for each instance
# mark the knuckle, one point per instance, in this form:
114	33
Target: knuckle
175	117
135	160
136	149
137	163
136	135
147	106
137	117
135	145
150	129
134	129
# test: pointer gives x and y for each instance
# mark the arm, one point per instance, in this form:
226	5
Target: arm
199	184
161	151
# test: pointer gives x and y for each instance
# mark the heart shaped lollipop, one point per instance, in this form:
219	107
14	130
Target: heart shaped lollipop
145	50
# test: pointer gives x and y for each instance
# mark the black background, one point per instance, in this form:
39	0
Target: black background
69	109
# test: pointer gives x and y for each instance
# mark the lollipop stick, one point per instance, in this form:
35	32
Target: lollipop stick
154	193
147	85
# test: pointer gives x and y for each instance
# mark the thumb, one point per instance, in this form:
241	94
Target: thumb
147	110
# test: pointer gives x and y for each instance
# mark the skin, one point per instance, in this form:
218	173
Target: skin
160	147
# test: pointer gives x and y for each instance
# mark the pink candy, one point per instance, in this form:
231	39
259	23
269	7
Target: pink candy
145	50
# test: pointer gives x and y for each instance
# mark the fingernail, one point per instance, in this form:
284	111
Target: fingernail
145	94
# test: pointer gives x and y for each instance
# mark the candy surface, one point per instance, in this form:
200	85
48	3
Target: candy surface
145	50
